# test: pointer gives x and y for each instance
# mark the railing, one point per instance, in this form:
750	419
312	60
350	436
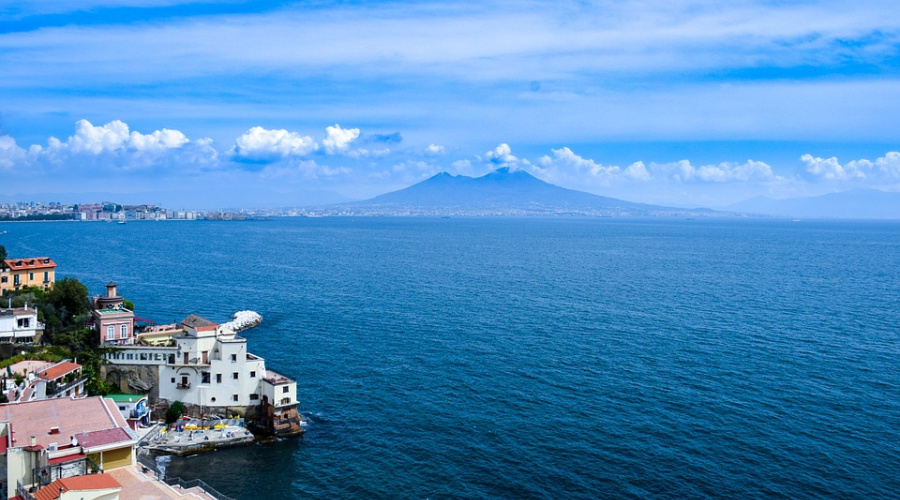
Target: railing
183	386
147	462
23	492
54	388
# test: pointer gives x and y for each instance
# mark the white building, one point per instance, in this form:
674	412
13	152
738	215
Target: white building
20	325
208	365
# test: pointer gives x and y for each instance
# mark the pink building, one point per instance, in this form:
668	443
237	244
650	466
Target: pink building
113	322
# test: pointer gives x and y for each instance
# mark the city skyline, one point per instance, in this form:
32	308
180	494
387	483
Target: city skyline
206	105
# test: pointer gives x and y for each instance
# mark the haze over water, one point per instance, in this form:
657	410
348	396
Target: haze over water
538	358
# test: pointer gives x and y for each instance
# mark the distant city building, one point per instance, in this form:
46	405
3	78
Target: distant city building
33	271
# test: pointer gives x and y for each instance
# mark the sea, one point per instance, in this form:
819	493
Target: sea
547	358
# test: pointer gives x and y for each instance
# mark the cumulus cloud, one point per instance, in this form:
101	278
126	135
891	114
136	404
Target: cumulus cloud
260	144
567	167
10	153
338	139
884	169
116	136
434	150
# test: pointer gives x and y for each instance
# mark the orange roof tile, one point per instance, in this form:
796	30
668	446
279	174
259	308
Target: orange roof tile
58	370
90	482
30	263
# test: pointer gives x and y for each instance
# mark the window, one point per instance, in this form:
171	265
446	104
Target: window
234	397
205	376
285	389
123	332
30	276
4	279
234	358
173	380
218	378
254	397
46	276
110	332
234	375
16	279
130	356
24	322
286	401
253	374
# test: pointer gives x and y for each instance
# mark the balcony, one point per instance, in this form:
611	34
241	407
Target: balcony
186	385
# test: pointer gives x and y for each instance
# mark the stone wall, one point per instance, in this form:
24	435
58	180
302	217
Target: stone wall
132	379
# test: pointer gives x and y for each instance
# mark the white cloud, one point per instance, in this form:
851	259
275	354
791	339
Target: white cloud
338	139
261	144
114	136
884	169
95	140
159	139
566	160
502	156
10	153
434	150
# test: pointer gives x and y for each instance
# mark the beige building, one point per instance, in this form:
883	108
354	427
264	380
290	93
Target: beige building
35	271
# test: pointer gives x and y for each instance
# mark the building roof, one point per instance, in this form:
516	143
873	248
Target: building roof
89	482
30	263
58	370
102	438
63	417
198	323
29	366
276	378
126	398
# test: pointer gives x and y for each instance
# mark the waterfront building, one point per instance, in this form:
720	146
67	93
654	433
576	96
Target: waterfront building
207	366
43	441
34	271
135	408
112	321
20	325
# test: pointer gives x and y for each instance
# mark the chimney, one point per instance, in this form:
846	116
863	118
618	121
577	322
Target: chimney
33	441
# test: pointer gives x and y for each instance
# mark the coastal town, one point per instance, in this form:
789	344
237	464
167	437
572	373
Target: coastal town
178	388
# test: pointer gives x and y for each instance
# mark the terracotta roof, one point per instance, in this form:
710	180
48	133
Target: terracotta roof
30	263
58	370
90	482
69	416
102	438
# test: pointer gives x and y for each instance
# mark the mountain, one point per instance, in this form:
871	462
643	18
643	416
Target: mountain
501	192
853	204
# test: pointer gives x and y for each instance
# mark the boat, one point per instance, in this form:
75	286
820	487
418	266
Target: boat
122	221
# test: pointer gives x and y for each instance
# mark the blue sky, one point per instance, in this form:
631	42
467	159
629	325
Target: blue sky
225	104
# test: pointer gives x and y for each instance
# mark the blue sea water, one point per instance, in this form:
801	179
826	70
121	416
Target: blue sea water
538	358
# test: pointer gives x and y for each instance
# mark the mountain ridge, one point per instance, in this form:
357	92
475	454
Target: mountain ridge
504	191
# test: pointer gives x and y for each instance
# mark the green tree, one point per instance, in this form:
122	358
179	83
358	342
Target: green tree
68	300
174	412
2	254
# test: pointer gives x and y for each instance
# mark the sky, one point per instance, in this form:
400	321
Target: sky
251	104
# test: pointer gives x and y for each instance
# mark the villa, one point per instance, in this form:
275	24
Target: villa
20	325
35	271
206	366
112	321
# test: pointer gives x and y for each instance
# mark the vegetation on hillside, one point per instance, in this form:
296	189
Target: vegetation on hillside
65	311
